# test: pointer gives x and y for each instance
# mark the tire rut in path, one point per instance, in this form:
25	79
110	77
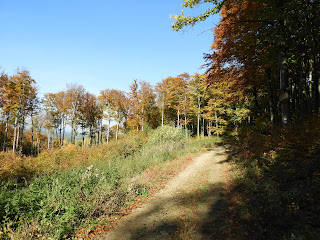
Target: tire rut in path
154	219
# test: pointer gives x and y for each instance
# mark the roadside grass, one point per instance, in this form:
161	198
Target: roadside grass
60	191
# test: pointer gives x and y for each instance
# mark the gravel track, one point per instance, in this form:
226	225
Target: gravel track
154	219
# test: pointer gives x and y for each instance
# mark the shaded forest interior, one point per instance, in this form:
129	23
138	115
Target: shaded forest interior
274	192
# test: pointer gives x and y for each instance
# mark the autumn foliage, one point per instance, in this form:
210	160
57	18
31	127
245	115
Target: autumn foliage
31	125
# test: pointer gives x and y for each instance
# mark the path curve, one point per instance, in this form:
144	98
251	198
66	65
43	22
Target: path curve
153	220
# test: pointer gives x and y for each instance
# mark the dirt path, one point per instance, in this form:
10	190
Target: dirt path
178	210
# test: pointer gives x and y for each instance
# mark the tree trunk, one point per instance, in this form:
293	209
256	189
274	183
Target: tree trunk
21	134
63	130
283	70
60	134
162	114
108	134
284	84
185	123
256	100
57	135
198	121
52	139
5	135
315	87
203	124
90	130
117	131
142	122
18	137
71	137
32	142
217	124
14	135
185	114
302	90
270	93
82	133
48	138
178	123
309	92
101	133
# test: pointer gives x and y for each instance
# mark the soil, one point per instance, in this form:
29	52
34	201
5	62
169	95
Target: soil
180	210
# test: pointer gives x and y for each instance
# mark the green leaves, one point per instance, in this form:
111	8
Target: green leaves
183	21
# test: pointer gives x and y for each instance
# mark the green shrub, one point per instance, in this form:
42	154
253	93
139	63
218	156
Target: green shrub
58	202
167	137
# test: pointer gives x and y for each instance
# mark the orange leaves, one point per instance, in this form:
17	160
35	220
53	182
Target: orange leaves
143	108
236	44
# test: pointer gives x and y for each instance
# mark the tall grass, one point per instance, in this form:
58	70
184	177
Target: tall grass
51	195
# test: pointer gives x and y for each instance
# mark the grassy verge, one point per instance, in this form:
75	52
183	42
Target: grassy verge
52	195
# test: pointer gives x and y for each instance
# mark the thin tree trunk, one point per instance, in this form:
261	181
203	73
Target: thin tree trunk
32	142
302	90
90	143
48	138
315	86
14	134
315	52
108	134
5	135
52	139
74	135
283	73
101	133
256	100
198	121
162	113
60	133
185	123
71	137
57	135
63	129
22	132
284	94
82	133
18	137
217	124
309	87
142	124
185	114
270	93
203	124
117	131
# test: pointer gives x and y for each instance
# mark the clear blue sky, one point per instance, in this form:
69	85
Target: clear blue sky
99	43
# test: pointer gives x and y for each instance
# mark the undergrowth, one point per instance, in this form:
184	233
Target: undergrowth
275	193
51	195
